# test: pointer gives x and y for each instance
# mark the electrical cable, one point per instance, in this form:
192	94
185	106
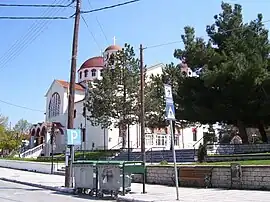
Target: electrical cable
64	18
181	41
99	24
88	28
112	6
19	106
33	32
38	5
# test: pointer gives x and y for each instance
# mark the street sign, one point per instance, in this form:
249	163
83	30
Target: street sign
170	111
170	115
168	92
74	137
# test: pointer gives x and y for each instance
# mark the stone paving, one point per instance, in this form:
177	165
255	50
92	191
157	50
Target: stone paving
159	193
154	192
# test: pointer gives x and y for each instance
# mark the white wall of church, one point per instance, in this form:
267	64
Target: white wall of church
90	75
154	70
94	134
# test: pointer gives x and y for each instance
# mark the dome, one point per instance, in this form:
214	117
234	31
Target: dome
93	62
113	48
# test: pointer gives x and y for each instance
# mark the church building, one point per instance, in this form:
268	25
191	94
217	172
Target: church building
95	137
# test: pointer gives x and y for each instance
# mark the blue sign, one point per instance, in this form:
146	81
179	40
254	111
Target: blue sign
74	137
170	111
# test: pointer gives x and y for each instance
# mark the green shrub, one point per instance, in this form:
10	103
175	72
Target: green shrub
164	162
202	152
95	155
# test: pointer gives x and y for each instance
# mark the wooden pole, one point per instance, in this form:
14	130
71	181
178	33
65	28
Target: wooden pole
68	173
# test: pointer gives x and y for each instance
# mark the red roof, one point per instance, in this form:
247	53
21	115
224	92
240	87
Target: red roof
65	84
93	62
113	47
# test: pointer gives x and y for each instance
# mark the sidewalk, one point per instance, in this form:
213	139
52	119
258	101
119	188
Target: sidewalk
155	193
45	181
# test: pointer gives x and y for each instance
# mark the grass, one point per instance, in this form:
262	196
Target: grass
246	162
230	155
95	155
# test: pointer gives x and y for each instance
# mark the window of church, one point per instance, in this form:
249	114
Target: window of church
86	73
101	72
54	105
80	75
94	72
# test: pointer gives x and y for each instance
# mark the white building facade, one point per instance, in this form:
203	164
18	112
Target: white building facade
95	137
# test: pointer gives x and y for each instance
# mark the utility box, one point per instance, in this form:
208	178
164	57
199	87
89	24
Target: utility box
236	175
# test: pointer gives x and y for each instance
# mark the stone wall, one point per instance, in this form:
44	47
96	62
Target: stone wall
239	157
225	149
252	177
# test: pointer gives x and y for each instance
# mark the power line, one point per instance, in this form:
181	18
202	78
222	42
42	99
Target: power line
112	6
14	51
38	5
33	32
99	24
88	28
34	18
181	41
63	18
19	106
163	44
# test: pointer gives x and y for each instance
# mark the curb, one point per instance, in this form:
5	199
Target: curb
125	199
59	189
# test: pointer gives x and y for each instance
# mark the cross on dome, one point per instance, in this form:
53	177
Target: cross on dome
114	40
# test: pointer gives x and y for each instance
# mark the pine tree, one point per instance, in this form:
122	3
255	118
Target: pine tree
114	100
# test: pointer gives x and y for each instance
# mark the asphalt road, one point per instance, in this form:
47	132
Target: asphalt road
12	192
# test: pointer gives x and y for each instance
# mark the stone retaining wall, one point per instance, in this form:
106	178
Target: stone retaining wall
253	177
216	158
225	149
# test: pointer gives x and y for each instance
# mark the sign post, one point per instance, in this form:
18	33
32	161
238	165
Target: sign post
74	137
170	116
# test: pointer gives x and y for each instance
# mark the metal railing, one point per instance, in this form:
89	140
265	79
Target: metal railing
31	151
151	153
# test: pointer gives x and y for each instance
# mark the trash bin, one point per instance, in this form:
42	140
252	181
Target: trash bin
109	178
128	180
85	177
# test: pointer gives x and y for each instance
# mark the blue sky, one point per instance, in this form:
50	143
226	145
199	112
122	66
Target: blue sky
42	53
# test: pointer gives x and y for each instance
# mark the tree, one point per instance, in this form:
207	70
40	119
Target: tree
9	140
3	120
154	95
22	126
114	100
235	68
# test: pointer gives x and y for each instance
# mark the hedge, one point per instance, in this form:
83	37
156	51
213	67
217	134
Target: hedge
96	155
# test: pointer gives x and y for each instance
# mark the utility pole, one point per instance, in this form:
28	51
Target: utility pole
52	140
142	113
69	173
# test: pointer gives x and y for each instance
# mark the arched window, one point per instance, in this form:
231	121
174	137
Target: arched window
86	73
94	72
80	75
54	105
101	72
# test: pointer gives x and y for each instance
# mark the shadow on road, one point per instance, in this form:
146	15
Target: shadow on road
85	196
17	188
